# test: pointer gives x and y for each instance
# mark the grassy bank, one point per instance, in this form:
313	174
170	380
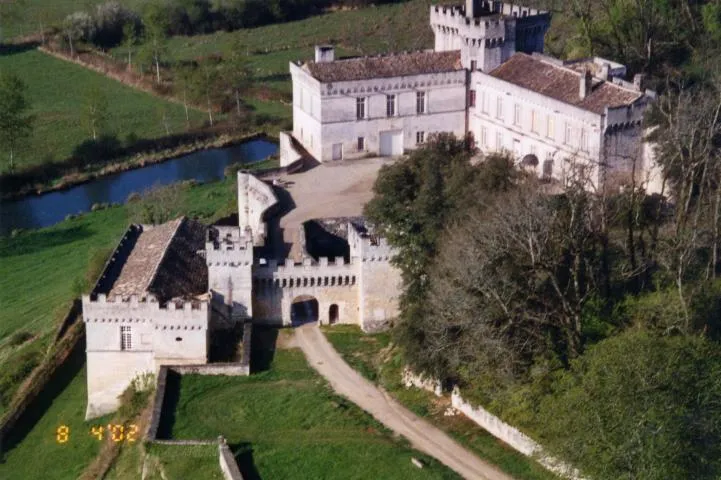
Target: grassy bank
59	91
374	358
286	423
38	453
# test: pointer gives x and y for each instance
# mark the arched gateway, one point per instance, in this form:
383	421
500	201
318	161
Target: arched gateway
303	309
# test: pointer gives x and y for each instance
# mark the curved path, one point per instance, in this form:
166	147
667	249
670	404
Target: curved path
422	435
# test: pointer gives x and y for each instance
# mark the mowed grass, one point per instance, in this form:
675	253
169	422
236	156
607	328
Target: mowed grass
286	423
39	455
166	462
370	356
59	92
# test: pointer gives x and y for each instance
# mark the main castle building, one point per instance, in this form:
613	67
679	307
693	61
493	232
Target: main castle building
486	76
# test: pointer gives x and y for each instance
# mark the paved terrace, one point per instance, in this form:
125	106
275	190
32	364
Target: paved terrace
338	189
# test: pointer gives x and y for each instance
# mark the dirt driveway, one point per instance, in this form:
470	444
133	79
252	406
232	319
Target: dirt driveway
422	435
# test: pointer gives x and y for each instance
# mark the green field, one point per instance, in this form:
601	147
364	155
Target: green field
39	455
286	423
369	355
58	92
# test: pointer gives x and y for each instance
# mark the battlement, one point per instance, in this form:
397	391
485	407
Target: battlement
307	264
101	309
149	301
483	10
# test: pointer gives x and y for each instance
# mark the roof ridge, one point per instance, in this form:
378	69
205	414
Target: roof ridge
180	221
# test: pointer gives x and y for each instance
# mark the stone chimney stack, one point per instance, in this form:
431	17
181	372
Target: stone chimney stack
324	53
638	81
585	84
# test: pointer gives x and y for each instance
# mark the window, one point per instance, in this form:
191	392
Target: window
568	134
420	102
550	128
584	140
361	144
534	121
390	105
517	114
473	64
472	98
126	342
420	137
484	137
360	108
499	108
499	141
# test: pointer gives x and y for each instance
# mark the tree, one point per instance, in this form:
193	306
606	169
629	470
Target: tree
639	406
206	83
95	112
155	20
130	40
156	205
78	26
237	75
183	84
15	121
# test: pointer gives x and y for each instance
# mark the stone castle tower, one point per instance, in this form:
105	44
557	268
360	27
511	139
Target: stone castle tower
488	32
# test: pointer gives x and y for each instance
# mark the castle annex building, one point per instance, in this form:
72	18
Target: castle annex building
486	76
169	290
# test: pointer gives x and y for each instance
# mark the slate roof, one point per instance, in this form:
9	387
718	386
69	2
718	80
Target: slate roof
165	261
562	83
396	65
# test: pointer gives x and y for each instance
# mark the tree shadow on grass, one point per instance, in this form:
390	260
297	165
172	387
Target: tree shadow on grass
170	404
262	350
15	48
243	453
38	407
41	239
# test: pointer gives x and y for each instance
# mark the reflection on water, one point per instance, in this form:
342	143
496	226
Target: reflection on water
50	208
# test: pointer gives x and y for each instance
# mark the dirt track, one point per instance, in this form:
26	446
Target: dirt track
422	435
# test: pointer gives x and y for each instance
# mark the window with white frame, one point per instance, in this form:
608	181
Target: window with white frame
420	137
550	127
568	134
534	121
499	141
126	338
360	108
547	171
361	144
484	137
420	102
517	114
390	105
584	140
499	108
473	65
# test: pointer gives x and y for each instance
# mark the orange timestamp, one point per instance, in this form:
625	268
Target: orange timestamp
115	432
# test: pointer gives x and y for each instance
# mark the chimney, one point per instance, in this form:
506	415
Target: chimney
324	53
605	71
585	84
638	81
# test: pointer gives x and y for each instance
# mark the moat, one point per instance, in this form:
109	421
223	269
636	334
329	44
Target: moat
203	166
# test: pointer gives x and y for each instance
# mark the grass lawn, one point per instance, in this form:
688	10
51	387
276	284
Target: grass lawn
286	423
38	268
38	454
169	462
58	92
369	354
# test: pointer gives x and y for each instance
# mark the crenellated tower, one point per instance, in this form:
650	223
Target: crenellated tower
487	32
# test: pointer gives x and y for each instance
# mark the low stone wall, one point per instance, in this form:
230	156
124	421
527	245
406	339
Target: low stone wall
512	436
228	465
411	379
152	433
228	369
247	338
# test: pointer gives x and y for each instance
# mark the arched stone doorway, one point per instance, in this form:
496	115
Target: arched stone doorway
333	314
303	309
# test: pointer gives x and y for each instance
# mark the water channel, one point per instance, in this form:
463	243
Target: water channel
36	211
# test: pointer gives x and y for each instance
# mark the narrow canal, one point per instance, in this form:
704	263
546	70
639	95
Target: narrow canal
38	211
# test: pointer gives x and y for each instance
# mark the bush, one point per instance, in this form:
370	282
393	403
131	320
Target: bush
18	338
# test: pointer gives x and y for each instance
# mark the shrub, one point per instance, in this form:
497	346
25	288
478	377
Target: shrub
18	338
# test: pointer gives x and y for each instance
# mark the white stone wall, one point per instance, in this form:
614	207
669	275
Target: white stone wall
154	334
337	123
276	286
254	198
520	137
229	275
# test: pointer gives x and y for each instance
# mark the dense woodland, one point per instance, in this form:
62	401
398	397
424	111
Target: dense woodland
589	318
